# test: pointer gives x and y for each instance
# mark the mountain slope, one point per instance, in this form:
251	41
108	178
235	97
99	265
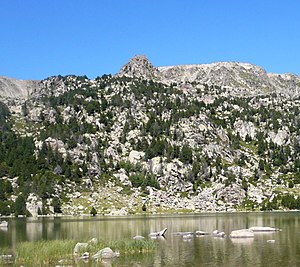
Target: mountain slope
138	141
17	88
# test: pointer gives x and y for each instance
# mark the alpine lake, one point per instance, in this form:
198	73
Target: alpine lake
276	249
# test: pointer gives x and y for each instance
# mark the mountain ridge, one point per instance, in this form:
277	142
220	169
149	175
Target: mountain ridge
246	76
232	74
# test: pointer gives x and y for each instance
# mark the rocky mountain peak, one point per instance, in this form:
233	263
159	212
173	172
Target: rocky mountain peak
138	66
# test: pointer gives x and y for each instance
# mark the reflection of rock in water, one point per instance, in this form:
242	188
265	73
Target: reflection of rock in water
107	262
37	229
34	230
242	241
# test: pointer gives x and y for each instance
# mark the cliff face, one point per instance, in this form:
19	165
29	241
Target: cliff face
212	137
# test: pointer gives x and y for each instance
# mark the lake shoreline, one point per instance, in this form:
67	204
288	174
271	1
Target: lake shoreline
148	214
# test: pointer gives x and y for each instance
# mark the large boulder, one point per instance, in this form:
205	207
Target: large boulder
34	204
242	233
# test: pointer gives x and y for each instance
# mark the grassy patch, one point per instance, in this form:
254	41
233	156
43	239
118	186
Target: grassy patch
43	252
23	126
49	253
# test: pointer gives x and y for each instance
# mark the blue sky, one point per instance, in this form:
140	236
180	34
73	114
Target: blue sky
41	38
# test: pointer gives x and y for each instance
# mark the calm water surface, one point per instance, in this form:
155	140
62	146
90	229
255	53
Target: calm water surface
174	250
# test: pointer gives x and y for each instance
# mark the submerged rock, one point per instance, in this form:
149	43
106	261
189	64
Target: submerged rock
188	236
183	233
263	229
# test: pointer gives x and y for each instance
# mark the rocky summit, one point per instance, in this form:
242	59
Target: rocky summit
190	138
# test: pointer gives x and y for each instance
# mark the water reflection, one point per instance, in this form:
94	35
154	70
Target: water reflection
175	250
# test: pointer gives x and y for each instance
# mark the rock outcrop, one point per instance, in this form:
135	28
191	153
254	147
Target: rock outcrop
140	67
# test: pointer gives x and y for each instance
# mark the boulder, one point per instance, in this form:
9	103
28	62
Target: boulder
242	233
199	233
33	204
217	233
79	246
106	253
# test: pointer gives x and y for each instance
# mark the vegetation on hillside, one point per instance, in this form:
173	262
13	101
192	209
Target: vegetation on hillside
86	129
